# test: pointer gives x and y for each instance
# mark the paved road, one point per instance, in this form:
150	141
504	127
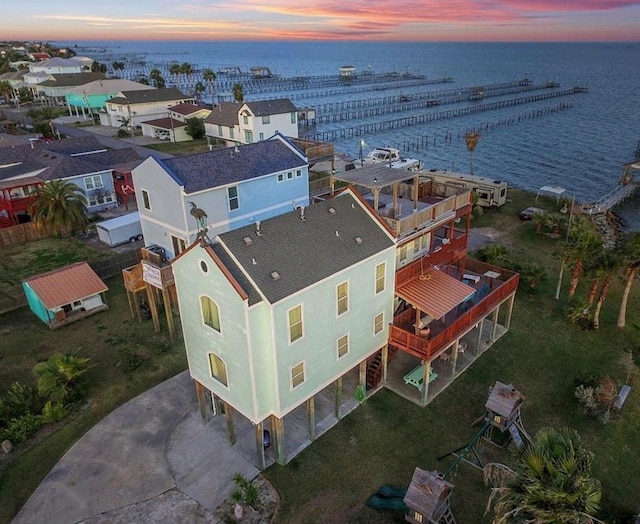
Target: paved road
151	460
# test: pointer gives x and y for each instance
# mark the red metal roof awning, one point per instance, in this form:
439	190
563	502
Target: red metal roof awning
434	292
66	285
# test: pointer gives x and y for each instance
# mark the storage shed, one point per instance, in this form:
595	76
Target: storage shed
65	295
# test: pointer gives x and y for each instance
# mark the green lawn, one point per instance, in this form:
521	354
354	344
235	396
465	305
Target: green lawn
543	353
102	337
188	147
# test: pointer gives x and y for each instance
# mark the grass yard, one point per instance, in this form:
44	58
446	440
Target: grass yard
188	147
384	440
113	341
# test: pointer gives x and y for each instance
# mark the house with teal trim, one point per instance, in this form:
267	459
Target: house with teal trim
233	187
280	316
65	295
90	98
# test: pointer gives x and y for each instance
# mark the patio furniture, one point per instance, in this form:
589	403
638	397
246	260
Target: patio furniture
415	377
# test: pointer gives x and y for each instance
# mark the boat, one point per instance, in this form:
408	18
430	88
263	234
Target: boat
391	157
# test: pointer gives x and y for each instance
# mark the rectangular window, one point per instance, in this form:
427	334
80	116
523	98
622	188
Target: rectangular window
297	375
210	313
403	253
295	323
232	194
378	323
245	119
231	132
248	137
220	133
342	292
343	346
179	245
266	119
93	182
146	201
298	173
293	118
261	137
380	277
280	177
218	369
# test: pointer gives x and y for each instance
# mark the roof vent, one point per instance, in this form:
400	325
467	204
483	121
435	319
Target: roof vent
253	261
358	240
332	210
258	232
247	240
236	150
337	233
302	217
275	275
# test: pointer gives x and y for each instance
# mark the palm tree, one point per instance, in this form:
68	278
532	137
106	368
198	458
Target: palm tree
5	90
471	138
187	70
60	377
60	207
551	482
534	273
630	255
199	89
156	77
175	70
238	93
584	247
494	254
210	78
539	219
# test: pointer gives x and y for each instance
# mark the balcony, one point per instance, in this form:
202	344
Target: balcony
491	287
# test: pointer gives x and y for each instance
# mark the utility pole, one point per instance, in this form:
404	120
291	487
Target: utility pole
573	200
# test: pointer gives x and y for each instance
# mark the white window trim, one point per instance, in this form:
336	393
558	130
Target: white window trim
291	342
226	369
384	279
304	375
142	193
375	333
207	326
338	356
237	199
338	314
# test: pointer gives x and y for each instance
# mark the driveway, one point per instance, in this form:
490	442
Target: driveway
150	460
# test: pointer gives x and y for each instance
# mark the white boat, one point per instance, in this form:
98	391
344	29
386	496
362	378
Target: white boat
391	157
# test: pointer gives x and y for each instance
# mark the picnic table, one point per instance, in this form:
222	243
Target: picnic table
415	377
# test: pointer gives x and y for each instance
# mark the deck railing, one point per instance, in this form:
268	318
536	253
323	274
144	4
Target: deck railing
428	348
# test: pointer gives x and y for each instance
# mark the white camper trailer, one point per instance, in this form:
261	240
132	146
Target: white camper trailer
120	230
491	193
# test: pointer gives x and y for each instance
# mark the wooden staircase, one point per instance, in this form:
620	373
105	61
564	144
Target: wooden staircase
374	367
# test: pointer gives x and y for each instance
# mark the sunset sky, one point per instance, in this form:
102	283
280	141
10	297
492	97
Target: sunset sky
388	20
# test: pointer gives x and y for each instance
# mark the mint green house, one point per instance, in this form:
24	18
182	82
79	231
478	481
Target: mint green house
276	313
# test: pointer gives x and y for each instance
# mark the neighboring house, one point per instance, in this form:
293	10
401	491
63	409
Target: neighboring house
234	187
54	89
58	65
83	161
140	105
252	121
279	315
90	98
173	126
65	295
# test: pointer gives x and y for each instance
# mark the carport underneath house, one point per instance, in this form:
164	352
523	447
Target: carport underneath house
280	439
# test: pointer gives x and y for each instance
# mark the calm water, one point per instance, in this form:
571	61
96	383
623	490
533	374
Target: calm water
581	149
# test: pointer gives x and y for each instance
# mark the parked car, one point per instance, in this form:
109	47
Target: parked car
527	214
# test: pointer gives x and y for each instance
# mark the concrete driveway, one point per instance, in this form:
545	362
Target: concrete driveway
151	460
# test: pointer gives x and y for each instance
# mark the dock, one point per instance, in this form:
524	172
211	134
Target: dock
626	187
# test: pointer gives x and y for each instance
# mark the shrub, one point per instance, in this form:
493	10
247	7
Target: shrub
130	358
21	428
586	397
17	401
53	412
123	133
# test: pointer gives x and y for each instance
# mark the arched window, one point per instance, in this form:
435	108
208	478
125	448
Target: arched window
210	313
218	369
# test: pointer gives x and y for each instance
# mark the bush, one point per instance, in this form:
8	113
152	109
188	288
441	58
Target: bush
123	133
53	412
17	401
130	358
21	428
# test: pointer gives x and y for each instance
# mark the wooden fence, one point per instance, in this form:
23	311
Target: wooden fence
21	234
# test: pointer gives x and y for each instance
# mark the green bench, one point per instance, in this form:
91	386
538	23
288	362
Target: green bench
415	377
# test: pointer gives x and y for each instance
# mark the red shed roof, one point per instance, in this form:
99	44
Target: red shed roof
66	285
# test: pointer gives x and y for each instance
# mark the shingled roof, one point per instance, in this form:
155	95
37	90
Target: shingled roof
71	79
149	95
232	165
224	114
334	235
271	107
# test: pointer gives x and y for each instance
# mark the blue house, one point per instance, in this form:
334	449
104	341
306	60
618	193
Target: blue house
234	187
65	295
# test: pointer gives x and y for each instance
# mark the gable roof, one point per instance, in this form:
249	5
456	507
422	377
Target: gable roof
304	252
66	285
58	62
188	109
224	114
231	165
165	123
107	86
71	79
149	95
271	107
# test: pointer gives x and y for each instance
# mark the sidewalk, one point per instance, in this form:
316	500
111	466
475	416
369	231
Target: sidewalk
151	460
